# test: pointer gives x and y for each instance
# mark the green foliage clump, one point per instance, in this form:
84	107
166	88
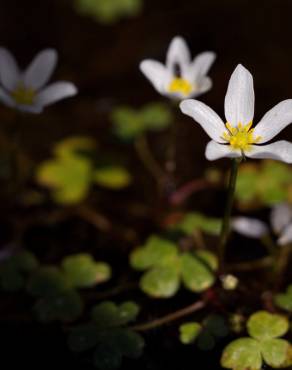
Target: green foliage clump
107	335
56	288
193	221
15	269
204	334
284	300
166	268
109	11
72	171
130	123
266	183
262	346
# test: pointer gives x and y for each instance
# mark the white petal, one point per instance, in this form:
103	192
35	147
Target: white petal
205	85
274	121
215	151
206	117
200	66
6	98
280	151
178	54
40	69
9	70
281	216
250	227
55	92
239	99
286	236
157	74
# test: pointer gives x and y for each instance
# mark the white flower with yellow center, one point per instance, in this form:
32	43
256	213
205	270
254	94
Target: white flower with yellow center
26	91
181	77
237	138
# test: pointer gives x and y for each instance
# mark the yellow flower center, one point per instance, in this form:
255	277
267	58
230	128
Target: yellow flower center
240	137
23	95
180	85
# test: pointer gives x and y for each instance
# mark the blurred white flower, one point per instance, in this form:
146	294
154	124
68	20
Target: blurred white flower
281	224
250	227
181	77
26	90
236	138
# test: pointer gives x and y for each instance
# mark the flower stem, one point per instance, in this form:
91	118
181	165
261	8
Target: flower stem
146	157
226	220
171	317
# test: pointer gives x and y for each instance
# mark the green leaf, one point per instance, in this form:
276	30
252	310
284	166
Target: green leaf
275	352
74	146
205	341
284	300
156	116
64	306
263	325
112	177
108	11
69	178
189	332
48	281
196	275
161	281
129	343
108	315
83	338
156	252
196	221
242	354
82	271
216	325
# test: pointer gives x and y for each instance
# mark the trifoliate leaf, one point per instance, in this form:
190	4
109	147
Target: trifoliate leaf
196	221
189	332
263	325
74	146
242	354
82	271
112	177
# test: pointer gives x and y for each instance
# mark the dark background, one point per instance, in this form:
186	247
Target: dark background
103	62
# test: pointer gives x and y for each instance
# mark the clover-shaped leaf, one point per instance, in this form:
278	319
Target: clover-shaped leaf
108	11
266	183
112	177
166	268
15	270
263	346
107	335
130	123
76	145
196	221
68	177
189	332
82	271
284	300
205	334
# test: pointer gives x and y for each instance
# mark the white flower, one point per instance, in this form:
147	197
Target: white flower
181	77
25	90
236	138
281	222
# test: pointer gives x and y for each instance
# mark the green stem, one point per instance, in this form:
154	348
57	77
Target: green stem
226	220
281	265
146	157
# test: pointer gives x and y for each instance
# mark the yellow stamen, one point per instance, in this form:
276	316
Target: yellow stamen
240	137
180	85
23	95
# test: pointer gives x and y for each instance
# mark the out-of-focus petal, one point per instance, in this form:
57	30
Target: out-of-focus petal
9	70
281	216
157	74
250	227
178	54
286	236
54	92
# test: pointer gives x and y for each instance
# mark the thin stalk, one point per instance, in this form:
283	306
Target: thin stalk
281	265
227	214
146	157
171	317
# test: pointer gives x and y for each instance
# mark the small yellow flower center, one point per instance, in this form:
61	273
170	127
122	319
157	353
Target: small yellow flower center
23	95
180	85
240	137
